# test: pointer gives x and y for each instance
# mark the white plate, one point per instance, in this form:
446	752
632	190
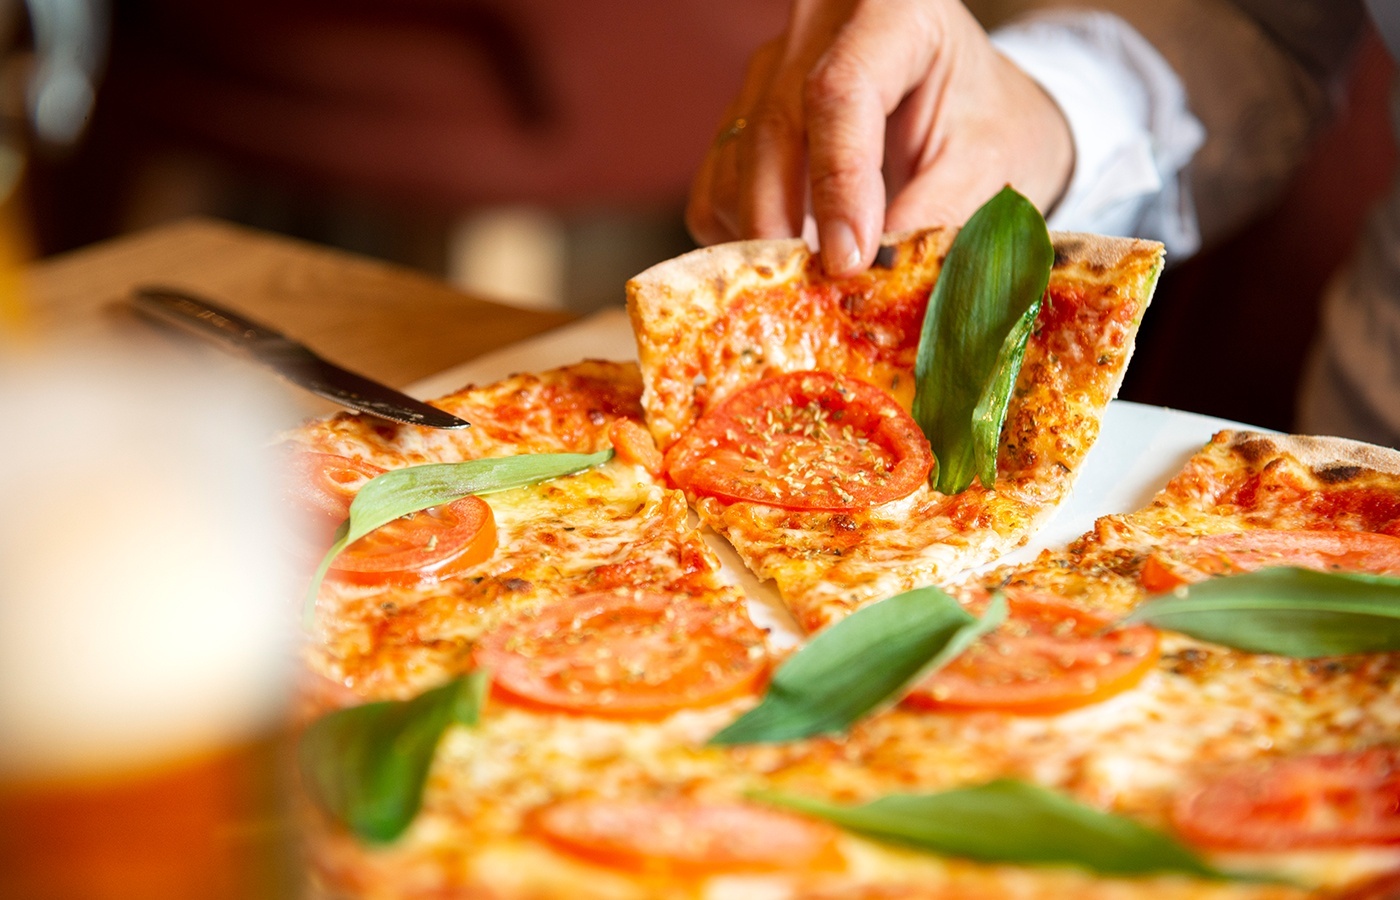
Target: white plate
1139	447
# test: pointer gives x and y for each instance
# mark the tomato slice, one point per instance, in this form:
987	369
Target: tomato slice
1318	800
687	836
326	484
319	489
1246	551
804	440
424	546
1047	657
633	654
1382	887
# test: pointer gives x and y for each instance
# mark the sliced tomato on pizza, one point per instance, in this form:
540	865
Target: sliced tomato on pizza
631	654
423	547
685	836
1201	557
1295	802
426	546
1046	658
804	440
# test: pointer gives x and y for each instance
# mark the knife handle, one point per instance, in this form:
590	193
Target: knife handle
206	319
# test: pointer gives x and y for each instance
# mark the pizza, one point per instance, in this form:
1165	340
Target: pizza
519	694
391	626
744	345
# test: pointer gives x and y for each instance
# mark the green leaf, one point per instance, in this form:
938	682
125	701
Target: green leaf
403	491
860	664
1284	611
1010	821
990	412
979	318
366	765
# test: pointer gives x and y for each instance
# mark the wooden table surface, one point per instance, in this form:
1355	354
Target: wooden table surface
388	322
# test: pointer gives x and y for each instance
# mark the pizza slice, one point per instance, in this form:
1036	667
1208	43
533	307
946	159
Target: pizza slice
1287	764
1250	500
781	398
1267	766
591	600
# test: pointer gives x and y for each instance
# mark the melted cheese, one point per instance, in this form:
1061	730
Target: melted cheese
1202	708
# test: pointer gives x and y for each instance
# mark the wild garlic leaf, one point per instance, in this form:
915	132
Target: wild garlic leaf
1010	821
975	330
1285	611
861	664
400	492
366	765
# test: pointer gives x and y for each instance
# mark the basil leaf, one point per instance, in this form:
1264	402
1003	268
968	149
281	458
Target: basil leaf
979	318
861	663
403	491
1284	611
366	765
1010	821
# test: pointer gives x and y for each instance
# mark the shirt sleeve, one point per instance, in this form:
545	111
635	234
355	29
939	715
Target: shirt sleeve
1132	129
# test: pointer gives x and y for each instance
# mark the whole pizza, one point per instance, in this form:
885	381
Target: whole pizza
527	673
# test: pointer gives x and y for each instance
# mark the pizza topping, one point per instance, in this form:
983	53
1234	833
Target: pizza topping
804	440
978	321
366	765
325	484
1009	821
1218	554
634	654
635	446
319	489
1047	657
1382	887
686	836
402	492
1284	611
422	546
1322	800
863	662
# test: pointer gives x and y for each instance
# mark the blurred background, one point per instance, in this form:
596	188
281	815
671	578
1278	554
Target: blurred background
539	152
534	152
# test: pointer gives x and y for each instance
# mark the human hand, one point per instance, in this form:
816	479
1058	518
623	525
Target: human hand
874	116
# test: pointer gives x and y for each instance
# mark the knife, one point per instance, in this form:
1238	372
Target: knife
293	361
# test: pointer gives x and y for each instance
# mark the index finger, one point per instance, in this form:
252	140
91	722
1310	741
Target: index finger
881	54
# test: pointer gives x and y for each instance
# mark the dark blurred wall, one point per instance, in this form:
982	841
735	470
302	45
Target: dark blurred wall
355	120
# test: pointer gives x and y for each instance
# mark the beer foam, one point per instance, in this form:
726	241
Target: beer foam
143	612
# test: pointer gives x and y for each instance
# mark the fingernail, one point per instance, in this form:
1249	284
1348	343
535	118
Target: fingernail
840	254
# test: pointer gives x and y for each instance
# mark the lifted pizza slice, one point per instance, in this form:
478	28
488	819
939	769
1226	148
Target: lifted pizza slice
781	399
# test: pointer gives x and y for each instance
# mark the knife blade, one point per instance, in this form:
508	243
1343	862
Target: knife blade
295	362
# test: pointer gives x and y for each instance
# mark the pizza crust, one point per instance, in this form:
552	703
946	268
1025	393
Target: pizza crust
676	302
1329	458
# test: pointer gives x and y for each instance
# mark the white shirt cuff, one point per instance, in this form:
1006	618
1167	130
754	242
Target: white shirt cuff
1133	133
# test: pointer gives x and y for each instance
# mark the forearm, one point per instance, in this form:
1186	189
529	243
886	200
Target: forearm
1259	77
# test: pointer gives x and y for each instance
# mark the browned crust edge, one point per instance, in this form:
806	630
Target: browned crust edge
1100	254
705	276
1320	453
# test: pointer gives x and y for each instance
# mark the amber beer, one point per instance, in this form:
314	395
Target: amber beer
209	827
145	635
